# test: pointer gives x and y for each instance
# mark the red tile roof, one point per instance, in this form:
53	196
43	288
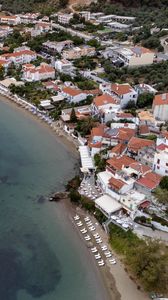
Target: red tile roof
125	134
121	89
160	99
118	149
116	184
124	115
98	131
144	129
118	162
136	144
162	147
150	180
72	92
104	99
143	169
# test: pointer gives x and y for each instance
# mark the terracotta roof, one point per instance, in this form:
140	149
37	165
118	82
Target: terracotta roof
150	180
121	89
136	144
18	53
104	99
118	162
93	92
140	167
125	134
72	92
95	145
144	129
124	115
116	184
118	149
160	99
8	17
98	131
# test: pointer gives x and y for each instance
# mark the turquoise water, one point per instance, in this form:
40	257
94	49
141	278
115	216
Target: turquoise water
41	255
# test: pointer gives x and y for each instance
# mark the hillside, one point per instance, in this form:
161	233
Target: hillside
140	3
44	6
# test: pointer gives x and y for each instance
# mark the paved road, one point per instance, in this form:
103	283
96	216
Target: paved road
156	234
85	36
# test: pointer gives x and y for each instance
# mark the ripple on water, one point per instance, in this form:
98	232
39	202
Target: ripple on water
24	267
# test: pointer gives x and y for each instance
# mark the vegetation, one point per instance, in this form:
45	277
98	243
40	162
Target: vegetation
161	195
164	183
84	126
73	118
155	74
44	6
145	100
100	162
146	261
85	63
33	92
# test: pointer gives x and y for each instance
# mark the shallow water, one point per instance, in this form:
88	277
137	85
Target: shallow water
41	255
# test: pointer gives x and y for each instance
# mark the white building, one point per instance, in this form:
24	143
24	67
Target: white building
64	18
134	57
10	20
42	72
74	95
105	106
78	52
119	27
63	66
160	107
160	164
125	93
19	57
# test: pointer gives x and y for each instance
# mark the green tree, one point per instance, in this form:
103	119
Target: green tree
164	183
73	117
145	100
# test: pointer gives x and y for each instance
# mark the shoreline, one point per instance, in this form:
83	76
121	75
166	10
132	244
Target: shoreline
57	132
108	281
115	280
118	282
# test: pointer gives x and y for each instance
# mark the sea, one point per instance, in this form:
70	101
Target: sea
42	256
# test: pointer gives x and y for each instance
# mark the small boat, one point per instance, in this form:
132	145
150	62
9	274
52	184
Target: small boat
97	256
98	241
92	228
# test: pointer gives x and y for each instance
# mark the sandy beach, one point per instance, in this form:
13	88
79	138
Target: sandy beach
116	279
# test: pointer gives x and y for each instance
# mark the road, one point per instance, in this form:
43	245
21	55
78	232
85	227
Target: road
148	232
85	36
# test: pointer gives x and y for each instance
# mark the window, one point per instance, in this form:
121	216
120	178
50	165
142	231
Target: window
158	167
158	161
166	164
166	171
